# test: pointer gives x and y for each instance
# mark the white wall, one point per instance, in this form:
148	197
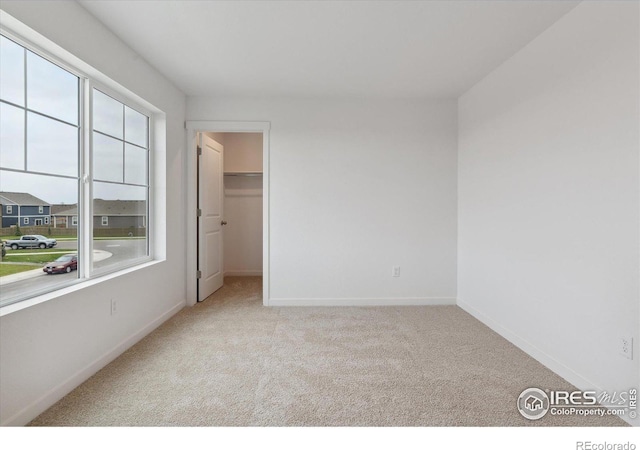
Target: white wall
48	349
242	204
548	196
356	187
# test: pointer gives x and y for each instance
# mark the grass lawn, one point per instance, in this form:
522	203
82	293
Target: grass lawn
10	269
41	258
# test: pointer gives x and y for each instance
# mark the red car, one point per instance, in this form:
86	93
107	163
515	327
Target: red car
65	263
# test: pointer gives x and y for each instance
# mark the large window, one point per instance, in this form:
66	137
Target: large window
68	148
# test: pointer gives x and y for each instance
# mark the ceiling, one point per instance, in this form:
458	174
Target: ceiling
399	49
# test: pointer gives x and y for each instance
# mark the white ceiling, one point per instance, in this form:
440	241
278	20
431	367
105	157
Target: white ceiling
327	48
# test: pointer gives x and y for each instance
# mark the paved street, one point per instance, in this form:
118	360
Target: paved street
118	250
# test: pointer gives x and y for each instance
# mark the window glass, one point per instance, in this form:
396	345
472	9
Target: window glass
39	172
108	163
108	115
136	127
120	188
11	136
51	90
135	165
124	209
11	72
52	146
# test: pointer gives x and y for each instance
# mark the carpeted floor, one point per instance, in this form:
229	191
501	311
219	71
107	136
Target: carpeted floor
232	362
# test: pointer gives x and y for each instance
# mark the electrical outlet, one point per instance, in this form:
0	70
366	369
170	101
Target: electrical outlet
626	347
395	271
114	306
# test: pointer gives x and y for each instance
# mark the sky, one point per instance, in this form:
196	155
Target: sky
45	138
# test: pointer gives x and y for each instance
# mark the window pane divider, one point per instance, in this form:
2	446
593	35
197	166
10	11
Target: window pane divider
31	172
85	205
41	114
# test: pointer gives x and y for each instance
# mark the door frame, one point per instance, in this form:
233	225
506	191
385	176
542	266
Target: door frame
204	126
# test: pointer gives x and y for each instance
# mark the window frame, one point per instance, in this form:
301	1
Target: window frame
9	209
83	221
105	221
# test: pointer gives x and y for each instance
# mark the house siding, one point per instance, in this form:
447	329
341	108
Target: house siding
119	222
30	213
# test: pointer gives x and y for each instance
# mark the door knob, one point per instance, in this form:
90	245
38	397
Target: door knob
224	222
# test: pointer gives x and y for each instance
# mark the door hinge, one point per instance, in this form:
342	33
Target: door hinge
198	212
198	274
199	151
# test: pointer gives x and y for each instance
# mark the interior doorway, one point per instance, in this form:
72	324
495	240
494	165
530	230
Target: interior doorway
243	215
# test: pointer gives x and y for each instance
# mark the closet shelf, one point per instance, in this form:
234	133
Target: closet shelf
243	174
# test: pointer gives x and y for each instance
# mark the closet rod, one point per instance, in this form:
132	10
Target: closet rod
243	174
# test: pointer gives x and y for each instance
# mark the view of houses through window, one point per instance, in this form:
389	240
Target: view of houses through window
47	168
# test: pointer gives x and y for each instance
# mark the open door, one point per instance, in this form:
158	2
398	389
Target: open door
210	206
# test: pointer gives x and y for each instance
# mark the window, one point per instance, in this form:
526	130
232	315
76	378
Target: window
120	170
66	140
9	209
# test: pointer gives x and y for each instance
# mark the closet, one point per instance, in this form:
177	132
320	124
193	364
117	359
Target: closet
242	237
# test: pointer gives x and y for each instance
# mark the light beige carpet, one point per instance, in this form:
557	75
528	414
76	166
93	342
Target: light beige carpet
230	361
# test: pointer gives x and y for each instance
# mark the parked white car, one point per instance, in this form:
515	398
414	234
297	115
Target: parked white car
31	241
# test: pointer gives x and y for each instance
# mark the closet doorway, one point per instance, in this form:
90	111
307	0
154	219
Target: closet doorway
243	215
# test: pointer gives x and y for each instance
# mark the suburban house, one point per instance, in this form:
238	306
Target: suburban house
106	214
475	164
23	209
58	220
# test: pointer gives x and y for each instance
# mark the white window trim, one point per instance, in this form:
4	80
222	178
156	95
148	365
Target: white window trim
46	220
105	221
74	220
156	243
9	209
25	221
40	209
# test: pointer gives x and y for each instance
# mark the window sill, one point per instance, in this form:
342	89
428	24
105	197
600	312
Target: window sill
24	304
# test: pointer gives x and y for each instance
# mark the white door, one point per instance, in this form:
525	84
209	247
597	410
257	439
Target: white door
210	202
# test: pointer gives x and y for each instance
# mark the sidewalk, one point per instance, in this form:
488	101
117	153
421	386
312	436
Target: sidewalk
98	255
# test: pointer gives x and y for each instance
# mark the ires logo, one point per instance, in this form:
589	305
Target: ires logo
534	403
575	398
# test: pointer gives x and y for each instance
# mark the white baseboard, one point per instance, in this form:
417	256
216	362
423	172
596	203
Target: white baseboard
573	377
30	412
243	273
392	301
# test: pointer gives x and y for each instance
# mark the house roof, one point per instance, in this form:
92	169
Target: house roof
21	198
107	208
56	209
